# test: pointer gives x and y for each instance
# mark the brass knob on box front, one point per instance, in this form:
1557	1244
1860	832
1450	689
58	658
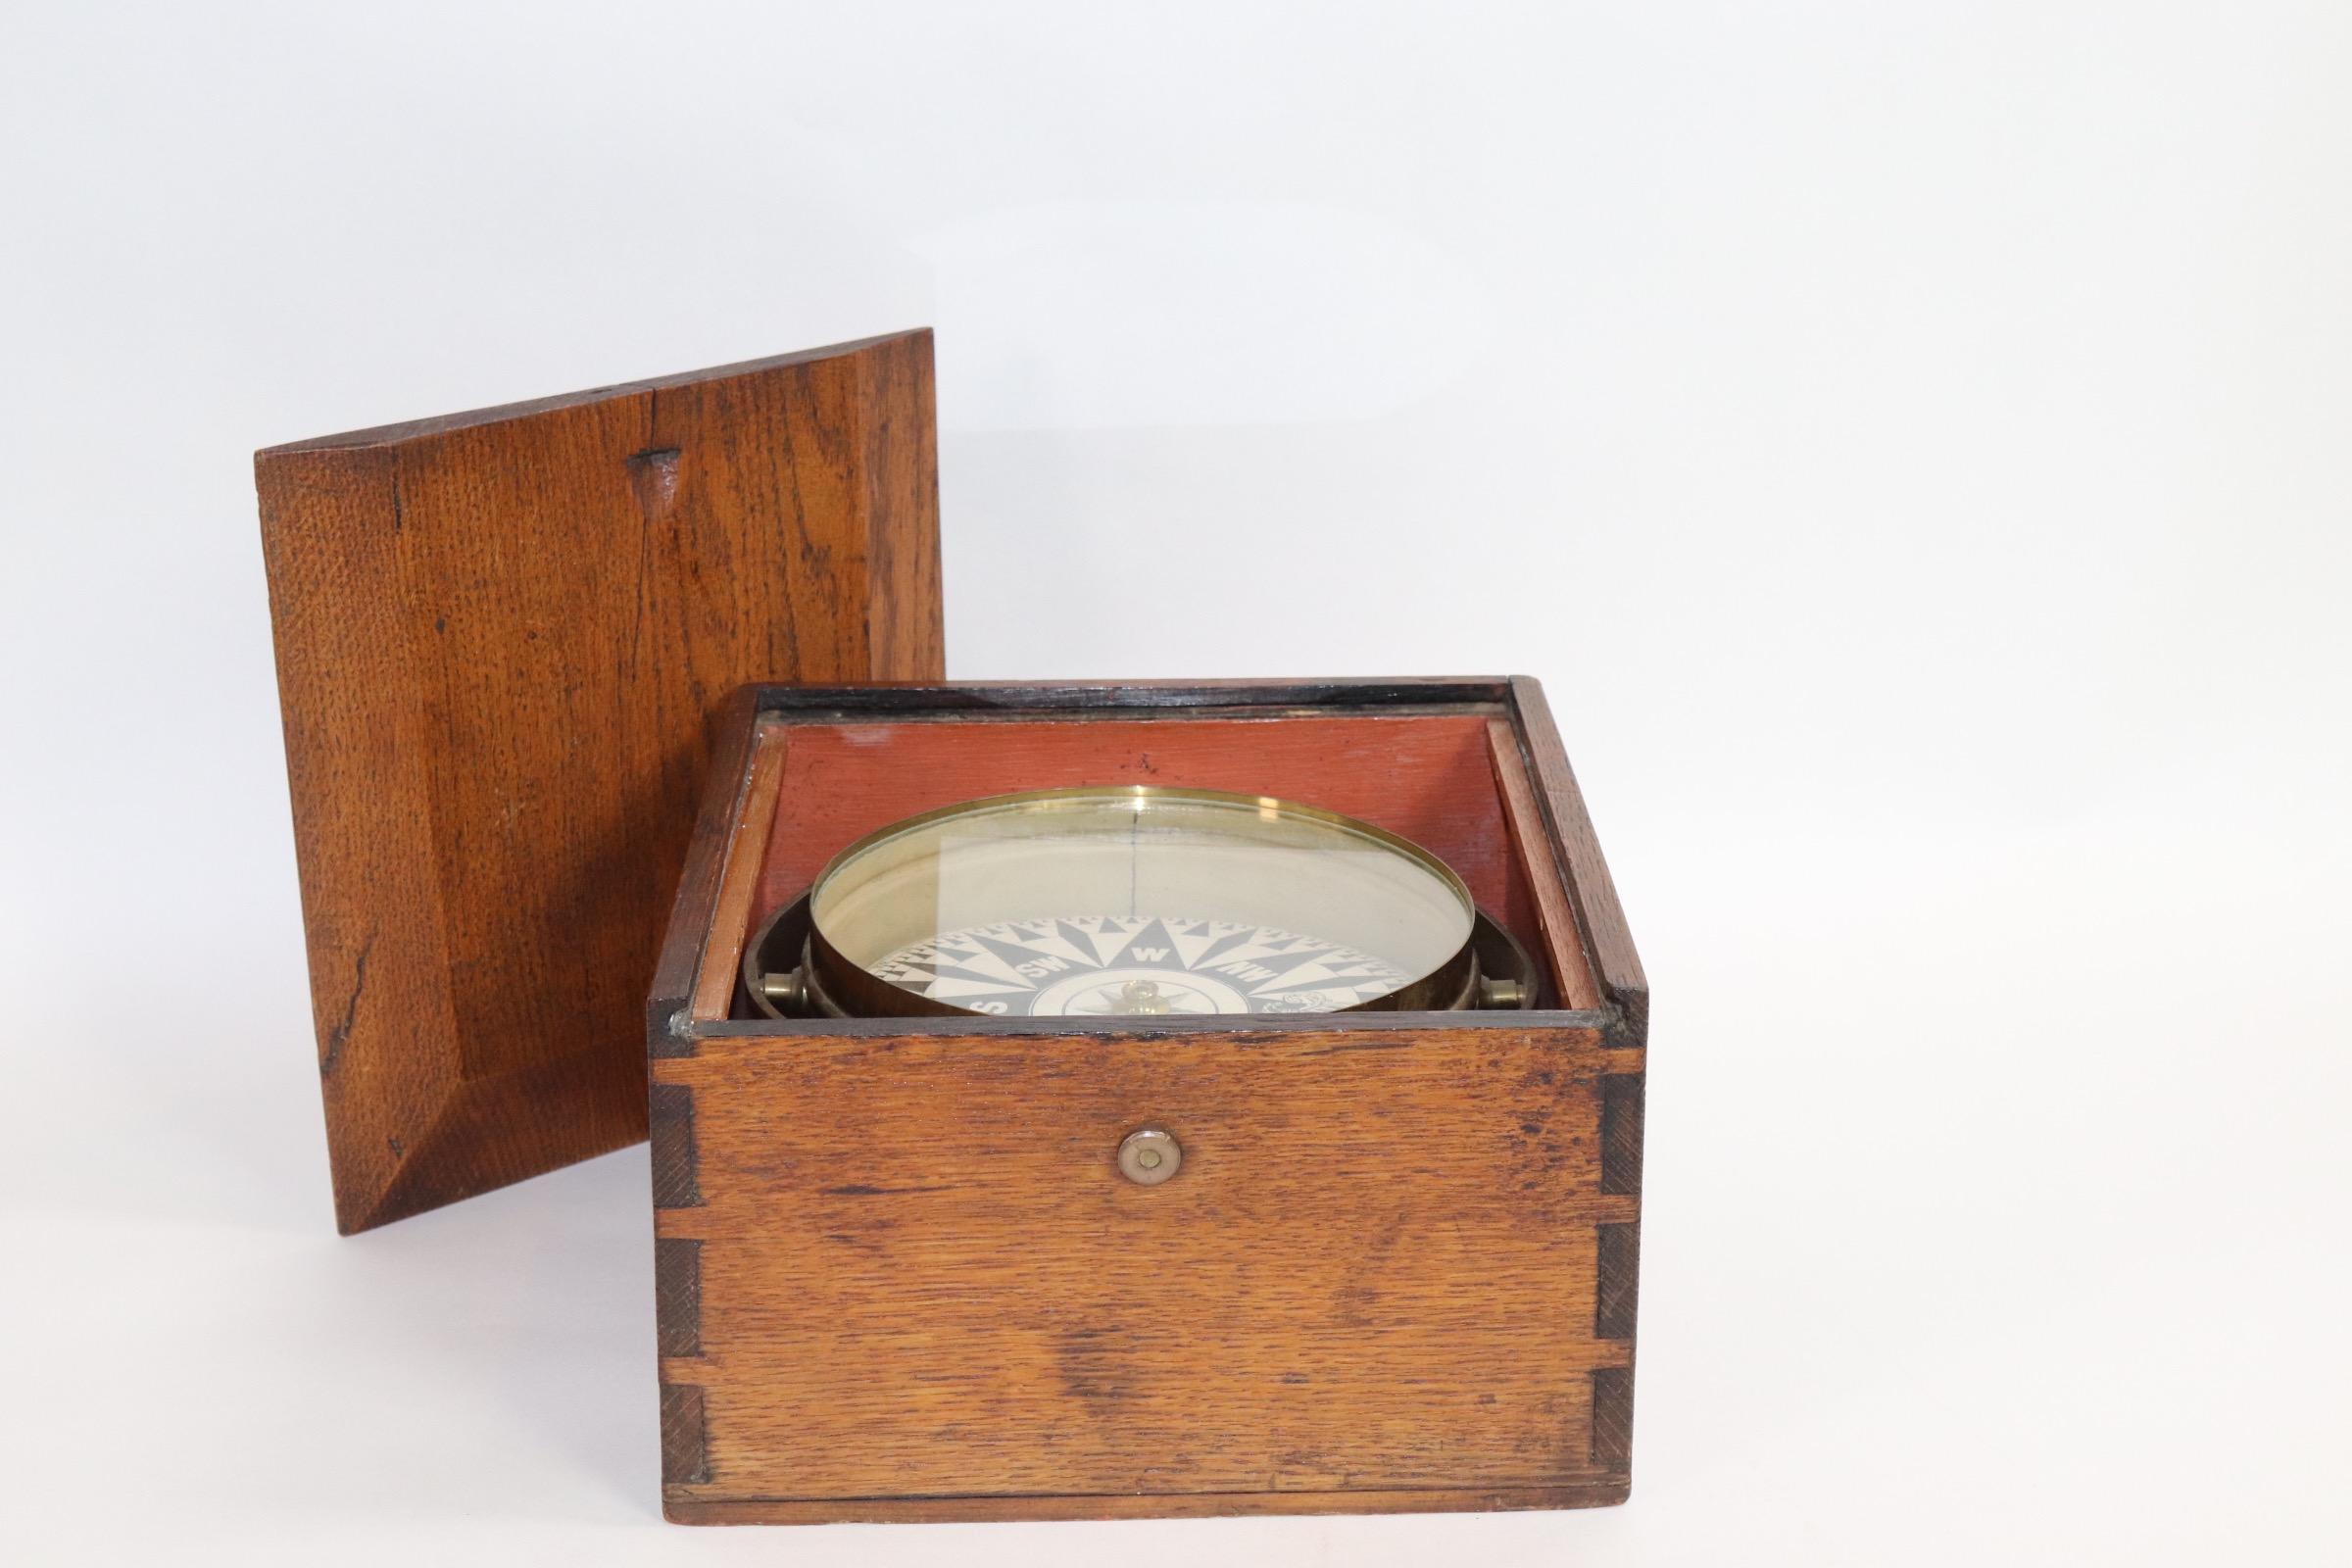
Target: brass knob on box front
1149	1156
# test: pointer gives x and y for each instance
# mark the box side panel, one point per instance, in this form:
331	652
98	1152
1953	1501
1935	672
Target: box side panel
1607	938
918	1272
1609	942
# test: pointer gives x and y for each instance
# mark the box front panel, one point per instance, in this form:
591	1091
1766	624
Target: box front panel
911	1267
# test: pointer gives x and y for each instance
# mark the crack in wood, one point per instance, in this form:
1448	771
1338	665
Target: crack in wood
340	1034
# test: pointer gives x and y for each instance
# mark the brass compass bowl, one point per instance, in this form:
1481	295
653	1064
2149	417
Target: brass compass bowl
1133	901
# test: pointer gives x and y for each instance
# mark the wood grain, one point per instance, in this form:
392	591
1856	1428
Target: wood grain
922	1274
713	847
1608	941
498	635
1555	920
732	914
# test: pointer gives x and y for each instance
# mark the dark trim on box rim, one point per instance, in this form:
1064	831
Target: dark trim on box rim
888	700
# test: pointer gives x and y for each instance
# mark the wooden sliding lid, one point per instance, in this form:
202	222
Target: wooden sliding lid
499	636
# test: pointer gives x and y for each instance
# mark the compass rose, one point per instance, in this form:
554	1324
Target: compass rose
1138	967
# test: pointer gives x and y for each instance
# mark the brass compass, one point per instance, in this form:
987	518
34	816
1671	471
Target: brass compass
1132	903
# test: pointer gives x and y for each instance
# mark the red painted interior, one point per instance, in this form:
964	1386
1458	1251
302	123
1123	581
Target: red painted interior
1425	777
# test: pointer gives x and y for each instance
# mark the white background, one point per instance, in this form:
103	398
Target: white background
1910	441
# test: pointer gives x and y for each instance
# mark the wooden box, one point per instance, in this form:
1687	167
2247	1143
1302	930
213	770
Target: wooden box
899	1277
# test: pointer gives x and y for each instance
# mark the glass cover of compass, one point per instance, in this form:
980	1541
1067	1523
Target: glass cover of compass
1138	901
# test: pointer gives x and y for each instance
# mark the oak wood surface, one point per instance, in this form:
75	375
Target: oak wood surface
921	1272
1553	933
715	845
498	635
1600	915
732	914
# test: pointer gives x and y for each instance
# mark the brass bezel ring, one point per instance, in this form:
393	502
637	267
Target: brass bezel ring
831	976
